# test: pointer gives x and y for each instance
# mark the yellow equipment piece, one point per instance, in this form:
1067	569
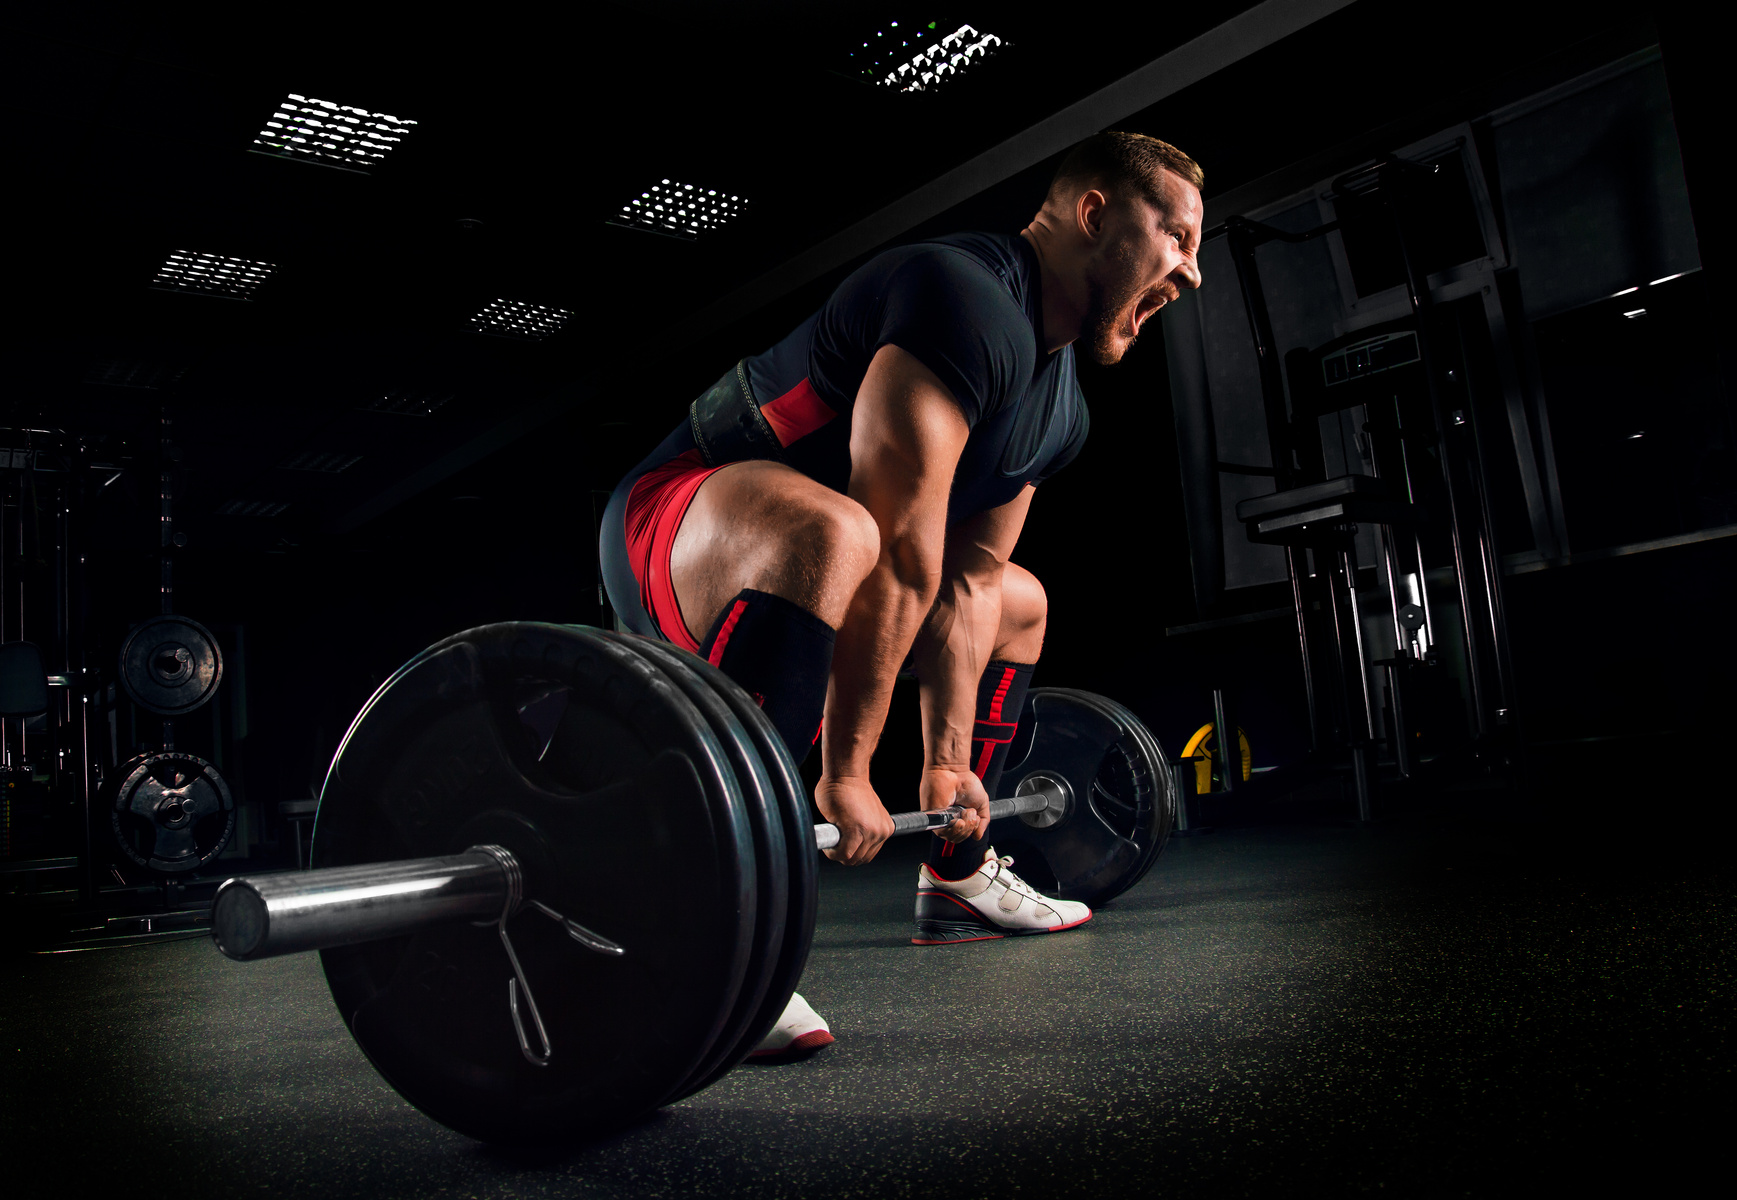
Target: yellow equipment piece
1201	748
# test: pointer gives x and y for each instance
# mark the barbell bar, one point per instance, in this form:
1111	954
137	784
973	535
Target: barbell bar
263	916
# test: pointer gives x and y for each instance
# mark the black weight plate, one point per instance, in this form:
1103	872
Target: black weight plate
1157	767
172	812
771	873
1098	850
170	665
1141	781
802	859
610	787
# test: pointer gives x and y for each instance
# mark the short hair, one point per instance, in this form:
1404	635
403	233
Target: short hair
1122	162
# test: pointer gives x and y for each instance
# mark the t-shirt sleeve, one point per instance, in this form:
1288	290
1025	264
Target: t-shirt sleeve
1070	450
952	315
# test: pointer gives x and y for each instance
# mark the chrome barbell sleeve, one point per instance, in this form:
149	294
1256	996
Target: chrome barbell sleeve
261	916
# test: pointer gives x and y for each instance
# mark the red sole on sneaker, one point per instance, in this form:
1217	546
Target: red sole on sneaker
809	1042
988	937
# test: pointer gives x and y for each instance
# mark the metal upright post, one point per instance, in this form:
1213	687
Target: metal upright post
1391	179
1243	236
75	616
1395	700
1229	743
1293	568
166	533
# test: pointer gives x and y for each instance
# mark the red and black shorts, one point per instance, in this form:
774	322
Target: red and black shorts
646	510
656	503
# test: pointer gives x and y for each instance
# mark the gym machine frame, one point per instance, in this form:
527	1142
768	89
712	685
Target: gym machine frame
1319	520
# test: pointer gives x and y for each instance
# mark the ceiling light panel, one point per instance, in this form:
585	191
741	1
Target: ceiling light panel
324	462
920	57
680	210
250	508
134	373
518	319
333	135
409	402
211	275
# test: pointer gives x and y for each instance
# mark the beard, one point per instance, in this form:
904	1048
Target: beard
1111	289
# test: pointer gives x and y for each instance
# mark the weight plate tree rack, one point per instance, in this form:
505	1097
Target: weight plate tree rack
488	825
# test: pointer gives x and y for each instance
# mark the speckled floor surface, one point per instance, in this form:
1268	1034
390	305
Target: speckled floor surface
1277	1011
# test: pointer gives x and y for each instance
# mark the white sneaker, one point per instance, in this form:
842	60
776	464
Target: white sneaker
799	1031
991	902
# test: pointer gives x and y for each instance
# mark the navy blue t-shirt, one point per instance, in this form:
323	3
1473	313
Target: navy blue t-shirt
967	307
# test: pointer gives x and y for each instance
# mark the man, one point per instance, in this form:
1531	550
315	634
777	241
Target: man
846	503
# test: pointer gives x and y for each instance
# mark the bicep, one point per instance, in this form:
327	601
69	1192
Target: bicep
906	435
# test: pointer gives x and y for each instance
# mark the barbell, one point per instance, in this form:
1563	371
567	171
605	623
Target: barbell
613	828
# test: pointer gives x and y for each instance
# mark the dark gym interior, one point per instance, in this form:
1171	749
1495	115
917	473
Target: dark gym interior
1456	922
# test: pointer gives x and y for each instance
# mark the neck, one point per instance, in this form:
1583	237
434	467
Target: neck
1060	309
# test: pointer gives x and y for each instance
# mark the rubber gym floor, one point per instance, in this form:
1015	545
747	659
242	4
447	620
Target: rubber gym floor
1313	1009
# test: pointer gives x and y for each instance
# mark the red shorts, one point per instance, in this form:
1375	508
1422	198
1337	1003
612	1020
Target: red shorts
656	505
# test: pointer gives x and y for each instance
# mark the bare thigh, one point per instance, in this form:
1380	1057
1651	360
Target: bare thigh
766	526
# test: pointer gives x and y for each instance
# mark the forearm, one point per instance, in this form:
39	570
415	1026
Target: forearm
953	648
878	630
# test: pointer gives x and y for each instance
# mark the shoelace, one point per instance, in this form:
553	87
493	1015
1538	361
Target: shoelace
1014	882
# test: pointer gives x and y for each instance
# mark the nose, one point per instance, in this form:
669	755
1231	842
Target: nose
1188	274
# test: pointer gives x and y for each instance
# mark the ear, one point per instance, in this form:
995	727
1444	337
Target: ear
1089	214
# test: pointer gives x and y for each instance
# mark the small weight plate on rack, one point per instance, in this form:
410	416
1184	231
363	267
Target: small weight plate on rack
170	665
172	812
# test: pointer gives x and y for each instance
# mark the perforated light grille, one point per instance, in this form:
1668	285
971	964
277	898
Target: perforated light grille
325	462
680	210
134	373
409	402
519	319
887	59
211	275
336	135
250	508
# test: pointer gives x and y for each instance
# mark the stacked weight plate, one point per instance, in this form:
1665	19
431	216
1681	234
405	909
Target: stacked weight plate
783	834
618	785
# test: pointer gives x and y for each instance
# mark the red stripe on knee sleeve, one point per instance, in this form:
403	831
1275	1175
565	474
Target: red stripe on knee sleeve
716	657
1000	695
983	759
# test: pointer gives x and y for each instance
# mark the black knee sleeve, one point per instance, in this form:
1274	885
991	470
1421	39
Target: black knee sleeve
1000	696
781	654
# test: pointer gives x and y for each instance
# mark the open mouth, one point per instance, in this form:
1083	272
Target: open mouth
1145	309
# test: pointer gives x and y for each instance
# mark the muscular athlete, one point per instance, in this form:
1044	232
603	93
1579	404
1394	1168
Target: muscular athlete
847	503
